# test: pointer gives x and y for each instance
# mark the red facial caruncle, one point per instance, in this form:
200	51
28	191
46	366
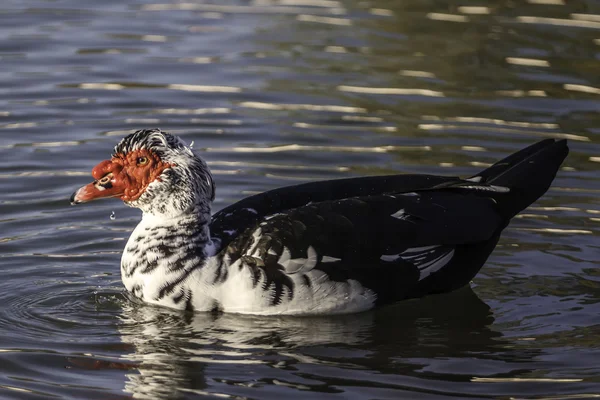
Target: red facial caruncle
125	176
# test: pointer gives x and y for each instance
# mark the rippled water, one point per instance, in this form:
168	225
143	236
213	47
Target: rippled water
279	92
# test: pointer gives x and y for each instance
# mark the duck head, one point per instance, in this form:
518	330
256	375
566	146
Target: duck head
153	171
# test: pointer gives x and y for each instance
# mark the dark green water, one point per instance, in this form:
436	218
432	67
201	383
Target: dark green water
279	92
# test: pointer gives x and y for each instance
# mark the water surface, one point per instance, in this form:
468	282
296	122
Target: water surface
281	92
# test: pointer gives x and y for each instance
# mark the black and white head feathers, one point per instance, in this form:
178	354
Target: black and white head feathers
187	184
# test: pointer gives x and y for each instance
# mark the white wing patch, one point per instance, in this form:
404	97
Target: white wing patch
390	257
400	214
268	217
428	259
487	188
285	256
419	249
297	265
256	235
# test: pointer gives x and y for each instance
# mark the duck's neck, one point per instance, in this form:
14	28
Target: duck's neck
162	252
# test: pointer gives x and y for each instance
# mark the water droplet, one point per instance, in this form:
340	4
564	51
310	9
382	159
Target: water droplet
112	216
192	145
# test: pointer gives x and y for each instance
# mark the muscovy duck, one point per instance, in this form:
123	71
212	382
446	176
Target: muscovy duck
329	247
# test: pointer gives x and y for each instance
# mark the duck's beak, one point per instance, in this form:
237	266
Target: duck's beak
108	182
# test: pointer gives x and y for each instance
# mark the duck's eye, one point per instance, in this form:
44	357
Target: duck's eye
142	160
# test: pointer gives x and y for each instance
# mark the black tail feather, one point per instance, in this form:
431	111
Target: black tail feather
528	174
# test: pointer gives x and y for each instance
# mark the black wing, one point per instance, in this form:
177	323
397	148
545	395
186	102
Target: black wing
394	244
233	220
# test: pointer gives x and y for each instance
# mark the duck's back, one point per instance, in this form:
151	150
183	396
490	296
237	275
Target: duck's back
348	245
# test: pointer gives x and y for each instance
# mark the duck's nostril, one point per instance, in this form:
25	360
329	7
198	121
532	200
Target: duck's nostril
105	180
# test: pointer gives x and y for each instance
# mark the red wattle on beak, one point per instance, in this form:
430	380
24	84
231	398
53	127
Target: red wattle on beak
108	183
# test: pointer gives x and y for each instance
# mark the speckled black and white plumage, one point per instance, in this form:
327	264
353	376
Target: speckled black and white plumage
325	247
188	184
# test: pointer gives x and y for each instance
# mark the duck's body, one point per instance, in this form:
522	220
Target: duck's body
327	247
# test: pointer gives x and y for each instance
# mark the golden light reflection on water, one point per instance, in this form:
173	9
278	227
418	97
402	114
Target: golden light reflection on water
548	2
382	12
325	7
475	10
48	102
173	86
324	20
197	60
189	111
19	125
67	143
530	62
204	88
154	38
447	127
309	107
16	389
531	216
496	380
480	164
298	147
390	91
25	174
110	51
290	177
521	93
226	171
497	127
305	125
217	121
336	49
473	148
360	118
146	121
581	88
245	164
310	3
563	208
557	231
495	121
586	17
417	74
447	17
102	86
142	38
579	23
120	132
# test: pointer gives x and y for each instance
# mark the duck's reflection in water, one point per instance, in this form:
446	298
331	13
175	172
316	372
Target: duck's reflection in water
177	353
